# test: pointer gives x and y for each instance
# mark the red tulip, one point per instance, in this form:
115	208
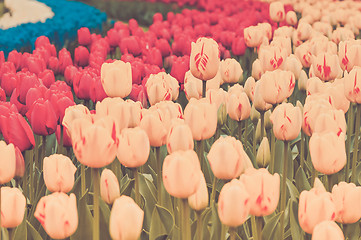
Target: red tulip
84	37
64	60
81	56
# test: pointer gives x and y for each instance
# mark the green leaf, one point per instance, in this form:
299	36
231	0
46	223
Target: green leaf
104	220
21	232
85	227
206	216
301	180
32	232
126	185
271	229
149	193
292	190
296	230
161	224
352	231
216	223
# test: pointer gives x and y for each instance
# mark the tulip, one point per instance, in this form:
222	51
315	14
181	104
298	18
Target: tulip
8	162
294	65
277	11
161	87
249	87
94	144
84	37
352	85
153	121
12	208
272	57
258	101
74	112
327	230
342	34
238	106
219	96
331	121
181	176
233	204
126	219
193	85
326	66
347	54
315	206
65	60
291	18
328	152
59	173
253	36
201	117
9	82
199	200
263	189
226	158
109	186
346	197
116	78
231	70
263	156
287	121
179	137
133	147
58	214
304	30
303	53
179	67
204	58
81	56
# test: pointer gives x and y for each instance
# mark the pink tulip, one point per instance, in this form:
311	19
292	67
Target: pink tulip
287	121
304	30
326	66
331	121
58	214
193	85
347	197
253	36
201	117
116	78
238	105
133	147
199	200
258	100
126	219
348	54
303	53
277	11
263	189
257	69
109	186
226	158
315	206
204	58
231	70
134	109
233	204
8	162
342	34
352	85
59	173
181	176
218	96
249	86
13	205
161	87
179	137
291	18
272	57
327	230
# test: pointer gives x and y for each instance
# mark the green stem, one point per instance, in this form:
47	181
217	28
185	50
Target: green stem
60	145
254	228
240	126
262	125
245	134
43	150
31	180
223	232
96	185
11	232
199	225
204	88
136	186
254	139
313	176
273	149
302	155
213	194
355	148
159	175
82	179
259	227
232	233
0	214
284	190
350	122
330	181
218	133
186	228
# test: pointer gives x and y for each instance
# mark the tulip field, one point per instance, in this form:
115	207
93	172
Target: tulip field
180	120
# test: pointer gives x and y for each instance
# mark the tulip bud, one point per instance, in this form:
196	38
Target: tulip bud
257	70
233	204
302	81
109	186
263	156
249	87
291	18
254	115
179	137
277	11
59	173
12	207
222	115
327	230
20	163
267	120
7	162
199	200
258	131
126	219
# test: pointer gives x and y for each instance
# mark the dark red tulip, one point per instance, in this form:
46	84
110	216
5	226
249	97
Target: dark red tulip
164	47
154	57
35	64
34	94
64	60
81	56
84	37
9	82
130	45
69	74
53	64
138	71
47	77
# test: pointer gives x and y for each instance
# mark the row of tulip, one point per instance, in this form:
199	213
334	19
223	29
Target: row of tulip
222	164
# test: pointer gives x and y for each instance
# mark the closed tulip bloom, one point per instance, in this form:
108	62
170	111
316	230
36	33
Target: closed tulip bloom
199	200
133	147
258	101
263	189
331	121
8	162
326	66
347	198
20	163
193	85
12	207
180	173
226	158
253	36
272	57
291	18
109	186
94	144
277	86
287	121
126	219
303	53
304	30
327	230
116	78
179	137
59	173
315	206
263	156
162	87
204	58
257	69
116	108
238	106
75	112
201	117
134	108
283	43
81	56
219	96
328	152
249	87
352	85
342	34
58	214
348	54
231	70
277	11
154	122
294	65
84	37
233	204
